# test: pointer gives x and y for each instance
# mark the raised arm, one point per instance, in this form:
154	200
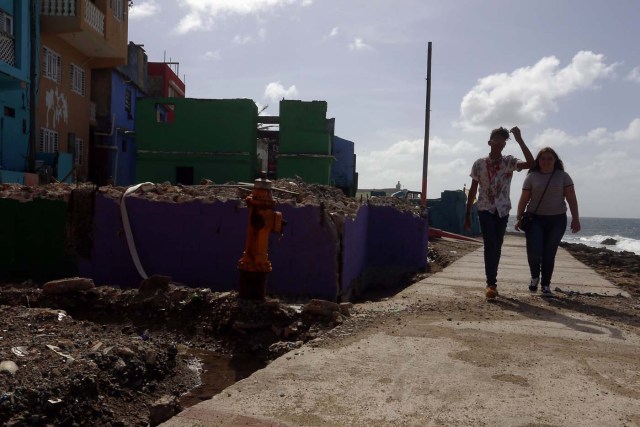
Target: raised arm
473	190
525	150
570	195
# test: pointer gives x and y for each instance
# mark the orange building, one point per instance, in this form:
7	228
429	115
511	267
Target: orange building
76	37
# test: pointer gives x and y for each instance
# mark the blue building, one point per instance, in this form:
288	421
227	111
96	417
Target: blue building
15	84
343	169
115	91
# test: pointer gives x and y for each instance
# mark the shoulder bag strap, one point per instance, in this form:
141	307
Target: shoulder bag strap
545	190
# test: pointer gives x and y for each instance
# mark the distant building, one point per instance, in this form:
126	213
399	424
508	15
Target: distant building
76	38
15	85
343	169
115	93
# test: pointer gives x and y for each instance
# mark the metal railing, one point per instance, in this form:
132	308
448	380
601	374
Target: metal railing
93	16
7	49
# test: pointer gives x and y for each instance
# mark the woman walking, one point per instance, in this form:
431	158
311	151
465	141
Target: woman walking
544	192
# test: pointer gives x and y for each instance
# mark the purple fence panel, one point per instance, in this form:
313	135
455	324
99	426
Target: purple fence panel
354	250
396	239
110	262
197	244
305	257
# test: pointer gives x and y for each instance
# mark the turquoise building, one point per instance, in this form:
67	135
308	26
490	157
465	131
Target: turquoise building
15	82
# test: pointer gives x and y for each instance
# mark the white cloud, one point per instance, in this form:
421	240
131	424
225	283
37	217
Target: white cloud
402	161
630	134
202	13
553	138
634	75
358	44
334	32
141	10
212	55
528	94
596	137
275	91
438	147
238	39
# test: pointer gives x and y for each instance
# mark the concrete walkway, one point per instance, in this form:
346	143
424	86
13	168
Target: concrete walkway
451	358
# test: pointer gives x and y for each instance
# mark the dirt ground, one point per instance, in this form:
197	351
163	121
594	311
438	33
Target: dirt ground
111	357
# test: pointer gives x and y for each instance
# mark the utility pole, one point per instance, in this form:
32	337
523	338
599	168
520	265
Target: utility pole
427	117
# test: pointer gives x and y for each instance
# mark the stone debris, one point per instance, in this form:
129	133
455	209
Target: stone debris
64	286
163	409
9	367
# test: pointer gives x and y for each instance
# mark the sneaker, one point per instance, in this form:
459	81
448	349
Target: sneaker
491	292
533	286
546	290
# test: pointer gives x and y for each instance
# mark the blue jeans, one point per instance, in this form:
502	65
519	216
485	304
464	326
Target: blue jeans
543	239
493	228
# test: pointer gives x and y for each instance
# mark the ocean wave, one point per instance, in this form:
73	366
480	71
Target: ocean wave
622	243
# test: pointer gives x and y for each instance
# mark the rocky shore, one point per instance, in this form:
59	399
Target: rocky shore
620	268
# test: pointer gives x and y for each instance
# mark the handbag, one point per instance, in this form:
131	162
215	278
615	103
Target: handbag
528	217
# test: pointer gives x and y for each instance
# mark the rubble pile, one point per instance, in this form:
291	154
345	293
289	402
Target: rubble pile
291	191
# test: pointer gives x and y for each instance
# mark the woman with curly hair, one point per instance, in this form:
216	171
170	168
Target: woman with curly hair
544	192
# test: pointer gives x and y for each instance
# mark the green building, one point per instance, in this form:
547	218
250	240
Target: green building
305	141
185	140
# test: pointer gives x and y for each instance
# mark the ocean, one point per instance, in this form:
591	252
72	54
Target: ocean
625	231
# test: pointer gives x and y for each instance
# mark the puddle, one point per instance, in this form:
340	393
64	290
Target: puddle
218	372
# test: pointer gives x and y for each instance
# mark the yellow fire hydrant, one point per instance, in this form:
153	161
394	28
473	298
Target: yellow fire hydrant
263	220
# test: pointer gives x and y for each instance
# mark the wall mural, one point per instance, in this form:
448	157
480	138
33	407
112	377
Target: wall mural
56	103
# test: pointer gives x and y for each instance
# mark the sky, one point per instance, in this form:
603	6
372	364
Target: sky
567	72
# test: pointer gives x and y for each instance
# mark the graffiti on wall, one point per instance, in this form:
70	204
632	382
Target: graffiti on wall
56	103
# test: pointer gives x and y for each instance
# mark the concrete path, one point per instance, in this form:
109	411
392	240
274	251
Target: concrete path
449	357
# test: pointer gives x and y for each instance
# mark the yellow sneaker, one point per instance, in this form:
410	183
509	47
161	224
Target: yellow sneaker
491	292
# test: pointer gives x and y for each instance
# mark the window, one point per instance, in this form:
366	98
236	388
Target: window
127	102
48	141
77	79
51	64
79	152
165	113
6	23
118	9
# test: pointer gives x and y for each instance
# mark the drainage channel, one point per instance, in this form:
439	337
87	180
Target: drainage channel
218	371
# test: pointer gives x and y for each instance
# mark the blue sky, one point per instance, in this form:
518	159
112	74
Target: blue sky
567	72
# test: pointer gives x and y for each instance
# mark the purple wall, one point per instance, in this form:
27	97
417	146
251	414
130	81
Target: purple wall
304	258
354	250
199	244
396	239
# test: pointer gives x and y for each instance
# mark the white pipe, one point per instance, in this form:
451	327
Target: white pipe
114	137
127	228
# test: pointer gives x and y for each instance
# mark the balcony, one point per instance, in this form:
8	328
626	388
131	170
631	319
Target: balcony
7	49
97	28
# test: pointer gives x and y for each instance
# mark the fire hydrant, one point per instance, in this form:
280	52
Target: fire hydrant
254	265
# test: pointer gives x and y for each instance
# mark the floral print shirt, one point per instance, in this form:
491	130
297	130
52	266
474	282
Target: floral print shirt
494	179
